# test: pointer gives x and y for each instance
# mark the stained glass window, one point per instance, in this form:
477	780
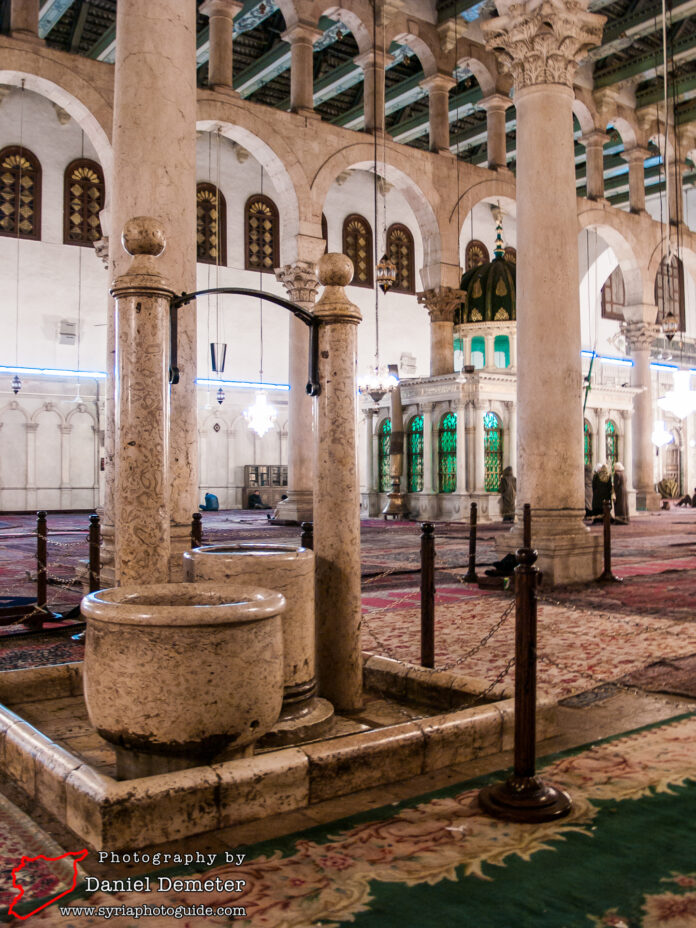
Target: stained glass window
476	253
669	290
492	452
414	455
588	444
211	225
262	238
501	351
478	351
383	456
20	193
83	185
400	251
357	244
614	296
612	444
447	457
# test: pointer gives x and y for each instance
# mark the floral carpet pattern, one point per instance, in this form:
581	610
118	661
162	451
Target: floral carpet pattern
623	857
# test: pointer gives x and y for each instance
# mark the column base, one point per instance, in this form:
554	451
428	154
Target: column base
297	508
226	91
313	723
180	541
568	553
307	112
30	37
648	501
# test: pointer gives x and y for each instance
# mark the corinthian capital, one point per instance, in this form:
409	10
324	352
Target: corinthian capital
639	335
300	280
441	302
542	43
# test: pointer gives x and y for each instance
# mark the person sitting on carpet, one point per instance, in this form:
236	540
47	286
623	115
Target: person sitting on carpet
688	500
508	492
601	491
255	501
620	495
211	503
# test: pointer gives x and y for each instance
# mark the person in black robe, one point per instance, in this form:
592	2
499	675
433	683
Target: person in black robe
620	495
601	490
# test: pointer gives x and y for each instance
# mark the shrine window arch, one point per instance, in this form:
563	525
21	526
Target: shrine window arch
83	201
447	454
261	234
611	443
492	452
383	452
588	444
211	225
20	193
400	250
357	245
475	254
414	454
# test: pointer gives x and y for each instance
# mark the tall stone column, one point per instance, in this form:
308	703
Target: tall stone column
221	15
441	303
676	191
636	177
496	106
373	63
510	436
301	283
479	449
628	447
600	456
369	415
427	413
142	414
540	44
155	175
438	87
460	410
301	38
337	496
31	498
639	337
65	489
594	176
24	20
490	351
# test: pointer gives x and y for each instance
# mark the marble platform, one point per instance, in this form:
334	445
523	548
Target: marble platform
413	721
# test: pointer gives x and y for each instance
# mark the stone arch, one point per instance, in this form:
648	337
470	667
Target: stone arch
687	255
420	36
628	252
397	171
482	65
626	130
355	14
14	406
79	410
585	112
481	190
278	159
50	408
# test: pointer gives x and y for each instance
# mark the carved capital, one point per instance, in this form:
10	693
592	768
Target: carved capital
101	247
300	280
441	302
639	335
542	43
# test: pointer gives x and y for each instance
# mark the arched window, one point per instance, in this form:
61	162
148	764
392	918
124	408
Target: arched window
414	455
400	251
83	200
492	452
325	232
447	456
357	244
588	444
501	351
476	253
611	444
614	296
261	234
511	254
478	351
669	291
20	193
211	225
383	456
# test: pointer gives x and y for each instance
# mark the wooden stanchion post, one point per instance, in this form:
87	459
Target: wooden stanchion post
525	797
94	552
41	557
607	576
196	530
470	575
427	594
307	537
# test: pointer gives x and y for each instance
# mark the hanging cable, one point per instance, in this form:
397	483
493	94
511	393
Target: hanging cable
16	382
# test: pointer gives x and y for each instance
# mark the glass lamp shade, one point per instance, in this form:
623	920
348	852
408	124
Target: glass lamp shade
261	416
386	274
220	396
218	352
377	384
670	326
681	400
660	435
16	384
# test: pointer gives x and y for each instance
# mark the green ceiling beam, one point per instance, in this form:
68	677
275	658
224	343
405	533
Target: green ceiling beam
645	66
621	33
50	12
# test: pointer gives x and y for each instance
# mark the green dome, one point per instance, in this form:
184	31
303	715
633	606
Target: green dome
490	290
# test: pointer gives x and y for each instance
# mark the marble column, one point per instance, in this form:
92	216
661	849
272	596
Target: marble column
627	459
676	192
427	413
301	38
496	106
479	449
594	164
65	488
600	451
155	175
441	303
24	20
31	498
636	177
540	45
509	436
490	352
438	87
639	337
301	283
220	15
460	410
369	415
337	496
513	350
470	446
373	64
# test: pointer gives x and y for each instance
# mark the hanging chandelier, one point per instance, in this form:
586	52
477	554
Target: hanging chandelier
377	383
261	416
16	384
386	273
661	436
670	326
220	396
681	400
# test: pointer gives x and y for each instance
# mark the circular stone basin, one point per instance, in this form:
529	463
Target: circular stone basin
183	669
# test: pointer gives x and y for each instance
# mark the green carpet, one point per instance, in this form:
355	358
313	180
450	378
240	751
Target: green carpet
626	857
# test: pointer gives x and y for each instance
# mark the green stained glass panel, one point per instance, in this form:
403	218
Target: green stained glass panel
384	440
414	455
611	444
447	458
492	452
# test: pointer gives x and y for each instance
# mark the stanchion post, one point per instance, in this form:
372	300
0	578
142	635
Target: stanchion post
427	594
196	530
307	536
470	576
607	576
94	552
41	558
525	797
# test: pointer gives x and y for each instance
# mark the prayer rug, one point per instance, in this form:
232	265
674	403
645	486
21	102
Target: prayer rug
624	857
667	676
35	653
670	592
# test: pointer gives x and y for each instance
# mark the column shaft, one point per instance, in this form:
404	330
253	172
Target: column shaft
221	15
24	17
301	38
636	178
427	411
495	107
594	176
438	87
373	64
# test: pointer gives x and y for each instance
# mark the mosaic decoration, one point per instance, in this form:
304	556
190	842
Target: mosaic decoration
84	200
357	244
211	221
447	457
414	455
383	456
611	444
400	250
20	192
493	452
262	244
588	444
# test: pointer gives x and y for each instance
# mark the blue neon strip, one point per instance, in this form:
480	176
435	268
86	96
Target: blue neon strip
50	372
243	384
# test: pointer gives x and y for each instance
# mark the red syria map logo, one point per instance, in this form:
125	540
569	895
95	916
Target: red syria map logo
77	856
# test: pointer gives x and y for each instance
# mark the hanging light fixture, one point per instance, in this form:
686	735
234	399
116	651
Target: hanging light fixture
386	273
660	435
218	349
16	384
680	401
218	353
670	326
220	396
377	384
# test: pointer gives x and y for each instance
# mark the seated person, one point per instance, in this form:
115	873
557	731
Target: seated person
211	503
255	501
687	500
